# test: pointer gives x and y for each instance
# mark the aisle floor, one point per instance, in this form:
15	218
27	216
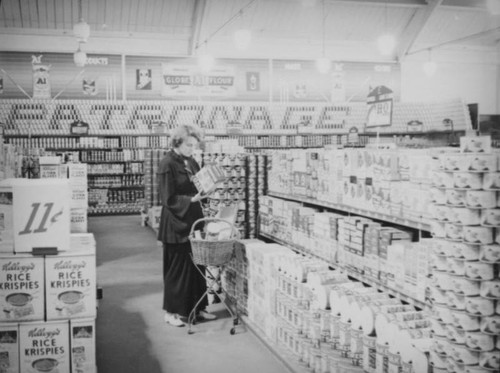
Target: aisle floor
131	334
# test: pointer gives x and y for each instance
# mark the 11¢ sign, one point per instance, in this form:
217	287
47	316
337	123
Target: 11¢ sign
41	214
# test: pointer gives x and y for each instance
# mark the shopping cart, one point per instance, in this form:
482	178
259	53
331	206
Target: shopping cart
213	253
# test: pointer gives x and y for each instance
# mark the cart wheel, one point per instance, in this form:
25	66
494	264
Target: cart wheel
232	331
190	332
236	321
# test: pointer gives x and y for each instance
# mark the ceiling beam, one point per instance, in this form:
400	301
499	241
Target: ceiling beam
475	4
415	27
199	11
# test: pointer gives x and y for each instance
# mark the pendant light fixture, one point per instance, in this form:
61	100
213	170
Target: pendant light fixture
323	64
81	30
243	36
79	57
429	66
386	42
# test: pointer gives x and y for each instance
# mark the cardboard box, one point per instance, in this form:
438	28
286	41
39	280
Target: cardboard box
82	344
78	220
77	173
44	347
208	177
70	283
82	242
6	220
21	288
9	348
79	196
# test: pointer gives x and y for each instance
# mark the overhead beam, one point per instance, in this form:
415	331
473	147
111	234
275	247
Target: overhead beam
415	27
199	11
475	4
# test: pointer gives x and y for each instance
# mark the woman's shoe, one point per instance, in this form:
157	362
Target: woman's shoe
204	315
173	319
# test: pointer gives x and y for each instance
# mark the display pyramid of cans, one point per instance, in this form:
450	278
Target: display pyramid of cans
465	289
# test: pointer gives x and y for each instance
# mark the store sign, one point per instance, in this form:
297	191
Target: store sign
380	105
42	217
181	80
41	82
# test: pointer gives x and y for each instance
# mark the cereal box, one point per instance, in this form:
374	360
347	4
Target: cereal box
82	344
82	242
44	347
21	288
9	348
77	173
70	286
79	220
6	220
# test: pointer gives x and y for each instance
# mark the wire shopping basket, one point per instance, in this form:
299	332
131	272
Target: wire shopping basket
210	252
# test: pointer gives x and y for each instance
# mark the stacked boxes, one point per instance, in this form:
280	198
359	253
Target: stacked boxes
262	281
48	301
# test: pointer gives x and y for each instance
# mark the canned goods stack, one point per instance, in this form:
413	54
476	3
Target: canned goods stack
466	257
234	189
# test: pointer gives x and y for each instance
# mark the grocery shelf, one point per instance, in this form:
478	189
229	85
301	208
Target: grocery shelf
115	174
280	352
367	280
108	162
354	210
117	187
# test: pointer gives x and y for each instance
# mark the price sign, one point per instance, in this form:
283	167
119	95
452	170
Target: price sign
79	128
380	105
42	215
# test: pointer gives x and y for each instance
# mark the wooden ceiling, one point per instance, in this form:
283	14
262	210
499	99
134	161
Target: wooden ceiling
420	24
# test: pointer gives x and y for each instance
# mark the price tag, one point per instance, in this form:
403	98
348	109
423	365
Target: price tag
42	214
79	128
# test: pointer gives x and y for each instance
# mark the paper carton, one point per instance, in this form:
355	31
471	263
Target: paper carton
9	348
82	344
44	347
6	220
21	288
70	283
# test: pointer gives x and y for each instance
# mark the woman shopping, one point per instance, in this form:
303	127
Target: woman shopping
181	207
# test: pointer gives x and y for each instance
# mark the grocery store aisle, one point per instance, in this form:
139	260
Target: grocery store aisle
131	334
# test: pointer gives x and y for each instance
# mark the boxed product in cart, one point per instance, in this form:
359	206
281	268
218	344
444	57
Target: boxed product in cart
21	288
9	348
82	344
70	282
44	347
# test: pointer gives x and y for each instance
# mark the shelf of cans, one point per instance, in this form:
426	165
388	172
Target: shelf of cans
465	286
24	117
48	278
326	322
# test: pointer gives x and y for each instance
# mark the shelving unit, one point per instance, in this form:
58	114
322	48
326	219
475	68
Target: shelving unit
352	210
357	276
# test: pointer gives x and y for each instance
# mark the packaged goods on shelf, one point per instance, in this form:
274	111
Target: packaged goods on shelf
462	286
50	168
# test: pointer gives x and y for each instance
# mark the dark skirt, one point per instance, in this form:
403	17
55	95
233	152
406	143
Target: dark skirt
183	284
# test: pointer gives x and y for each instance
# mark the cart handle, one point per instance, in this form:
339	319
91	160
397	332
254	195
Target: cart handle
235	232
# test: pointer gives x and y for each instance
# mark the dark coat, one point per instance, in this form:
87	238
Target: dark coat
176	189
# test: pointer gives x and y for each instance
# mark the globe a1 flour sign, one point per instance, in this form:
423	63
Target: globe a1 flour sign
41	214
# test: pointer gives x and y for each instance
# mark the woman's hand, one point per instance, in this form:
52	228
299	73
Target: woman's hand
200	195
